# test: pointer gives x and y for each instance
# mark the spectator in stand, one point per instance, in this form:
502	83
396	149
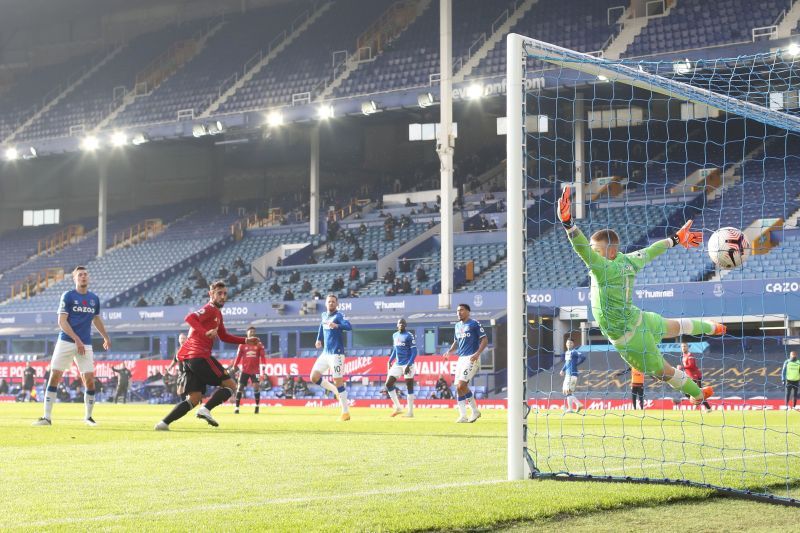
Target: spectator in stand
484	223
358	253
294	277
443	391
312	260
141	302
493	225
343	257
238	262
425	209
233	279
279	262
169	300
422	276
288	388
362	228
406	287
196	274
306	287
3	386
301	389
354	273
223	272
202	283
266	384
317	295
330	251
338	283
186	293
389	276
390	291
373	255
405	265
389	234
288	295
275	288
409	203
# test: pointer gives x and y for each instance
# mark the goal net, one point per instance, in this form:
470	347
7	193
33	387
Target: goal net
647	146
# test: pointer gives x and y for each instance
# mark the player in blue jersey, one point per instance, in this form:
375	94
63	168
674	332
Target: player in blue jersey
470	341
401	363
330	338
572	358
78	311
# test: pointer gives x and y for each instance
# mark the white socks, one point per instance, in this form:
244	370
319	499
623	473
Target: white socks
393	397
49	400
88	403
343	400
473	404
410	399
678	380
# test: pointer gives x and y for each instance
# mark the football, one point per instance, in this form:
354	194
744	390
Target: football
727	248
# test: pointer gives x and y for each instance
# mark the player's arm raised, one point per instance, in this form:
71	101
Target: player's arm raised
684	237
576	237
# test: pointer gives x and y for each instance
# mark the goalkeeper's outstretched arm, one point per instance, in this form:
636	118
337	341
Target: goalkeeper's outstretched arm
684	236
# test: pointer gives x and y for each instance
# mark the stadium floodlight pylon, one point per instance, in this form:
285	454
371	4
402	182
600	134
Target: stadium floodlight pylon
754	455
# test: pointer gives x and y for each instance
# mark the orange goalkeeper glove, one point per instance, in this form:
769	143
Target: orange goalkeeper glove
564	205
686	237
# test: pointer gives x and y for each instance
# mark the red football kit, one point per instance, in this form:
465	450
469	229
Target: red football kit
690	366
251	357
198	346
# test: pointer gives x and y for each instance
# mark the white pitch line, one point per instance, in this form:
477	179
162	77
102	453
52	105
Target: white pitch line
239	505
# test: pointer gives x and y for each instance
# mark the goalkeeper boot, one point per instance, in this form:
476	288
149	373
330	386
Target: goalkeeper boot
397	411
345	417
161	426
707	393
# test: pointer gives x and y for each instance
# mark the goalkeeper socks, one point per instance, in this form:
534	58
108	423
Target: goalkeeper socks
178	411
681	382
462	406
697	327
50	399
238	398
343	399
393	396
258	399
88	402
220	396
410	399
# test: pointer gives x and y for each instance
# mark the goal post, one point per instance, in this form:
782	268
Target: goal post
631	184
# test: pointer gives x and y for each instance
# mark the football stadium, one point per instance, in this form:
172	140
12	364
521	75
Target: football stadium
399	265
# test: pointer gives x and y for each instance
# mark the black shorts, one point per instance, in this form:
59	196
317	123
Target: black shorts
638	390
792	384
200	373
244	378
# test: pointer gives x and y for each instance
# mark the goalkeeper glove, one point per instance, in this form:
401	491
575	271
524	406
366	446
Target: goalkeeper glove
564	205
686	237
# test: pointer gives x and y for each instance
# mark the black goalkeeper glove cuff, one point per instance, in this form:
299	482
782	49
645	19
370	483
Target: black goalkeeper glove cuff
674	239
568	224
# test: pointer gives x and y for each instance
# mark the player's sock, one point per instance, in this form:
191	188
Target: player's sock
220	396
343	399
327	385
462	406
88	403
410	401
178	411
576	401
633	399
681	382
50	399
258	398
393	396
238	398
568	403
471	401
691	326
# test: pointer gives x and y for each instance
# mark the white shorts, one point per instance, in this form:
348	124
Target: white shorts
570	382
330	361
466	369
399	371
65	352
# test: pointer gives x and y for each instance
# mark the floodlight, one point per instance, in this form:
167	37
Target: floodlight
119	139
198	130
215	128
12	154
90	143
368	108
139	138
324	112
274	119
475	91
425	100
793	50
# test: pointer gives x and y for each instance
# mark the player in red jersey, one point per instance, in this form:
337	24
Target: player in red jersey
251	356
200	368
690	368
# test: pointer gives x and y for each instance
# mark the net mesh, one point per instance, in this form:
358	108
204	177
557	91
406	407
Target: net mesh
661	143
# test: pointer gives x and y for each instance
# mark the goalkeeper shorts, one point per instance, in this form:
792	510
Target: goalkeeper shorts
639	347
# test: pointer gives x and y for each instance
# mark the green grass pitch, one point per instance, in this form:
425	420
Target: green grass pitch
295	469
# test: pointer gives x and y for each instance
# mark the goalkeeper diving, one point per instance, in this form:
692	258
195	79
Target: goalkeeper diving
633	332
